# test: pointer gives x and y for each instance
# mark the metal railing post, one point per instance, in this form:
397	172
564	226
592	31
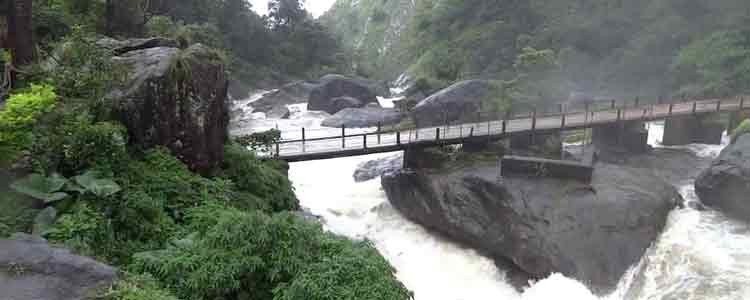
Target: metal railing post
437	133
303	139
277	150
364	141
695	107
398	137
562	125
343	137
742	103
718	105
505	126
671	108
380	128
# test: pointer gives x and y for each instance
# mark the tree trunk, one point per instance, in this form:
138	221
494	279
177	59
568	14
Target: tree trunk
20	35
109	16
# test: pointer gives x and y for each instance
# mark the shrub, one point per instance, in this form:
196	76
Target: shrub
19	116
70	144
240	255
86	231
743	128
138	287
264	179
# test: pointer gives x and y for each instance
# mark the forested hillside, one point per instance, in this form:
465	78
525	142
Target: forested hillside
115	152
608	48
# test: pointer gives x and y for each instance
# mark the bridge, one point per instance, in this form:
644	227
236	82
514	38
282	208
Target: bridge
380	141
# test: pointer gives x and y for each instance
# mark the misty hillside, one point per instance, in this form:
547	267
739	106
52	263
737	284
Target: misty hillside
613	48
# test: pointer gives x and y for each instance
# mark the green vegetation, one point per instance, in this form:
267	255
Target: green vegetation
17	119
743	128
614	49
85	184
235	255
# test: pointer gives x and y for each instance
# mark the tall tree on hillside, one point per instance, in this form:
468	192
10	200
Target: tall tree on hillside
20	40
286	14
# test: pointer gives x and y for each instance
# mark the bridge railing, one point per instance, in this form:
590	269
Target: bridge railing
362	139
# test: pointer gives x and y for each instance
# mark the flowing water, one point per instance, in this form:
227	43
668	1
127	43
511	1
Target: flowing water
700	255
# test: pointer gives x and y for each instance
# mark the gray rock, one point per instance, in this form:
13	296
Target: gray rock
725	185
363	117
120	47
458	102
30	269
591	232
375	168
279	112
292	93
380	88
338	92
160	107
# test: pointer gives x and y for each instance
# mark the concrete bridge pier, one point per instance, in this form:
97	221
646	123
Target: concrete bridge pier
683	130
630	136
548	142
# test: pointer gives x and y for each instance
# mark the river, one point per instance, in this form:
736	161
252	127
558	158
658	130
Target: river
700	255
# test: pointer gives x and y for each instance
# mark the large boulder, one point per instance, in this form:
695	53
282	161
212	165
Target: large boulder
363	117
178	99
338	92
592	232
725	185
372	169
459	102
31	269
291	93
119	47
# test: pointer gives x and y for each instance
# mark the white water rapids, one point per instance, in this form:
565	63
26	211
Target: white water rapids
700	254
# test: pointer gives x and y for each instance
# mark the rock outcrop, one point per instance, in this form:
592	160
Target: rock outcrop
279	112
30	269
363	117
291	93
458	102
591	232
178	99
338	92
370	170
725	185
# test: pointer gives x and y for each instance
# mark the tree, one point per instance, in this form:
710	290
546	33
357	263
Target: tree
286	14
20	38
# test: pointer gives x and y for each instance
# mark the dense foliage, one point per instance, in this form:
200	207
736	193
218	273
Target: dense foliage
609	49
240	255
90	188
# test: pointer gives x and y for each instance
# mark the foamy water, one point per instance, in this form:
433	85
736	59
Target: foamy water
700	255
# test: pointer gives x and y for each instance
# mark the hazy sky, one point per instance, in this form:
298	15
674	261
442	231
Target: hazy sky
315	7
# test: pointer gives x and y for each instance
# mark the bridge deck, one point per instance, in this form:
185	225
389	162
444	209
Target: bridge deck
381	142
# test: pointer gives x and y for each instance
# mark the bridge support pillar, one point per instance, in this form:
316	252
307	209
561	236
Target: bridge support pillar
683	130
630	136
548	143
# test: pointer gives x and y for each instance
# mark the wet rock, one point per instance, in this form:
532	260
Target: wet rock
161	105
380	88
458	102
338	92
363	117
725	185
279	112
375	168
31	269
591	232
292	93
120	47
